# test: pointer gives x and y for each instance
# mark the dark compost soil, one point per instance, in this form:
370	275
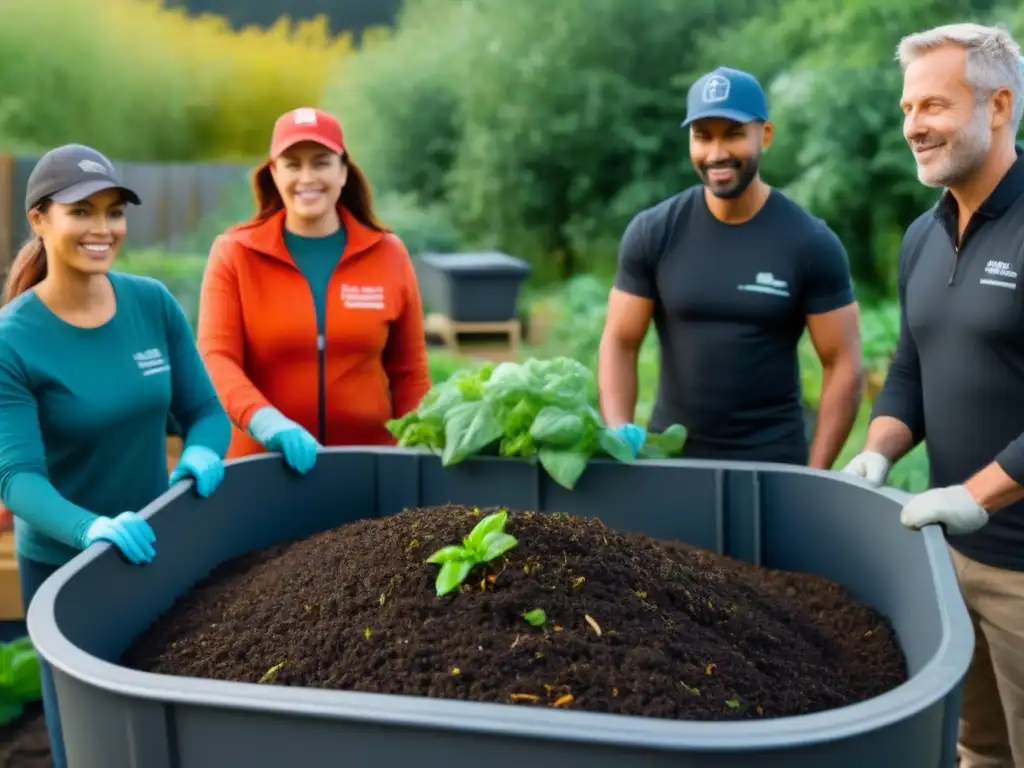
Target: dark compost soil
24	743
634	625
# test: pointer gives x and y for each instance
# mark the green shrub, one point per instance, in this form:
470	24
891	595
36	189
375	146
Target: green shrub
423	229
397	99
143	82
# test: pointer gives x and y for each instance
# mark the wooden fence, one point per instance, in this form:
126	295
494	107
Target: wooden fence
175	198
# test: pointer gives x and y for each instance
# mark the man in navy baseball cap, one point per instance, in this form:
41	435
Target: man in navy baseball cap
727	114
730	272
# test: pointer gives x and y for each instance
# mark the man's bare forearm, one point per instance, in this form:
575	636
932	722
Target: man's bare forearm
889	437
617	381
841	392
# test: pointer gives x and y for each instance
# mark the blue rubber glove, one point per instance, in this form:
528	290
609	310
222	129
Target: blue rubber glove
128	532
202	465
276	432
632	435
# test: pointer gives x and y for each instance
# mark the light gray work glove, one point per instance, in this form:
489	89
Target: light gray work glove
952	507
872	466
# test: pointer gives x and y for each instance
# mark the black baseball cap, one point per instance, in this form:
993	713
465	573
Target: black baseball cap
727	93
72	173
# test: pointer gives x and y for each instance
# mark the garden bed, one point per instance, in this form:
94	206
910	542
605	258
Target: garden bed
24	743
573	616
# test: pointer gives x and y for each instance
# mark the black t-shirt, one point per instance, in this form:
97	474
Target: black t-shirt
730	305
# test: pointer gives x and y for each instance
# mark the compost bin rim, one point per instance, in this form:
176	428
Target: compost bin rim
911	697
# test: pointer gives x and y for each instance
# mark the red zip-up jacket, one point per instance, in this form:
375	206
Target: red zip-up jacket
258	335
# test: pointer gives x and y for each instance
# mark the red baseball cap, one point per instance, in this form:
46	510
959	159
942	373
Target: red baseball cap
306	124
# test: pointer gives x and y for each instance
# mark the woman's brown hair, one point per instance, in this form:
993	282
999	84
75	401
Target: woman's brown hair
29	267
356	196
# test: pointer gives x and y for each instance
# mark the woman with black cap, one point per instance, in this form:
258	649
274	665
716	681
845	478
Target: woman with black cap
91	363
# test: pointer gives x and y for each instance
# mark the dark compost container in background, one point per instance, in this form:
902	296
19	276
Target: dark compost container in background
472	287
785	517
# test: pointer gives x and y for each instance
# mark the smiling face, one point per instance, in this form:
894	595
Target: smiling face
309	178
726	155
83	237
945	122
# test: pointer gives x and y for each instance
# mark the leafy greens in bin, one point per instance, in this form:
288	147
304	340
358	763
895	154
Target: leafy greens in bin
20	682
540	409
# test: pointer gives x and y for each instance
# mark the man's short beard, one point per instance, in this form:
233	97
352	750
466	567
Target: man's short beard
747	173
962	155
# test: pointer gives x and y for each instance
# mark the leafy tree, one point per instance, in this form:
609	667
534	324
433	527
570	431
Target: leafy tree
572	120
543	127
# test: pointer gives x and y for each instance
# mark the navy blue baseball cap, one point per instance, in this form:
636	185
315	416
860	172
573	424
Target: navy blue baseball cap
727	93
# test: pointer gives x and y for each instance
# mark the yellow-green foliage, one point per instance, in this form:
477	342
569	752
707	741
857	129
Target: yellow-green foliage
141	81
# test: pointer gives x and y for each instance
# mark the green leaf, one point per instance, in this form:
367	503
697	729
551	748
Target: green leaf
20	680
490	524
615	446
521	446
468	429
443	555
451	575
663	445
557	427
536	617
565	467
423	433
496	544
516	421
446	399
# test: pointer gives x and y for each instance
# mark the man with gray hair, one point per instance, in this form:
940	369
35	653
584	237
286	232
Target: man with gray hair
957	378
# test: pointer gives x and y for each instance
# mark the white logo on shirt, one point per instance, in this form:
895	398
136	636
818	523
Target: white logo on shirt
1000	274
362	296
151	361
766	282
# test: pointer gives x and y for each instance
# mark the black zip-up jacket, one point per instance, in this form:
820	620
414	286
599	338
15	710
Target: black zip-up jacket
957	380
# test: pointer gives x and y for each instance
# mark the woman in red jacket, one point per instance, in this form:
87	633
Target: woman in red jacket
310	318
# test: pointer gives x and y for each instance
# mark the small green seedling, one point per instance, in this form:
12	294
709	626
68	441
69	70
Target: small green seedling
484	543
536	617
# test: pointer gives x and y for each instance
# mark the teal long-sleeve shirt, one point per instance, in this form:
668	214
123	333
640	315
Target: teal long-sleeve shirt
83	412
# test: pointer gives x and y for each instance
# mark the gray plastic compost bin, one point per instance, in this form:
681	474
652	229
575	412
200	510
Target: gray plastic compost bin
472	287
89	613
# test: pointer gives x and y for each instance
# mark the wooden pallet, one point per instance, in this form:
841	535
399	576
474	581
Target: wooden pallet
10	587
450	331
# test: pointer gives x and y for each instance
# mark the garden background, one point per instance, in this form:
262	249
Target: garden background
532	127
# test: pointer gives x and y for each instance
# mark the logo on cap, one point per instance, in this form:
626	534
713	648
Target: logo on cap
305	116
91	166
716	89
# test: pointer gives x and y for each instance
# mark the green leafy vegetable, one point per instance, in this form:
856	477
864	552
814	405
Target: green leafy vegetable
539	410
665	444
20	682
536	617
487	541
